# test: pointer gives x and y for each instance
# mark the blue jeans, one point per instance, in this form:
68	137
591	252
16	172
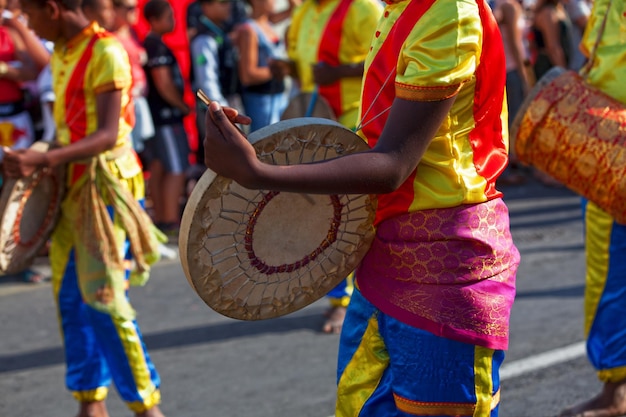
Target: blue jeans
264	109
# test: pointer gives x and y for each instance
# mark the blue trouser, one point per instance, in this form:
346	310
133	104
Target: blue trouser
387	368
605	293
100	347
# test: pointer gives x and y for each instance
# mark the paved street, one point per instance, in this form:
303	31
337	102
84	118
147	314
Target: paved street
214	366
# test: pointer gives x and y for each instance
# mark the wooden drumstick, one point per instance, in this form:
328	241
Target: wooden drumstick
203	97
206	100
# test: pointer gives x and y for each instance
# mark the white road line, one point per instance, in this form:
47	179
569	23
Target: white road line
542	360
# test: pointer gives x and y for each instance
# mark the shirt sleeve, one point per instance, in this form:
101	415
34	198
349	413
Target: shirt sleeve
205	62
359	28
113	67
442	54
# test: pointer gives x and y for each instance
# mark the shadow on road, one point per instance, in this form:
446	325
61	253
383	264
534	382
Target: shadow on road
176	338
573	291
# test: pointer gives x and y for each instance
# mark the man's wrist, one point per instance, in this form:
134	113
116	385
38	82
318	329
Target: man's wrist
4	69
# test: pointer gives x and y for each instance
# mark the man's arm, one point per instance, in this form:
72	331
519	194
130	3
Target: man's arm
167	89
26	71
37	53
510	16
325	74
249	71
108	104
407	134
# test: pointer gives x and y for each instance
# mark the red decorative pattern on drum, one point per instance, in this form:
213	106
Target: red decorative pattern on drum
49	217
577	134
253	254
262	267
29	208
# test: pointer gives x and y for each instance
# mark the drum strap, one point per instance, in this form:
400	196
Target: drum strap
584	72
328	53
373	99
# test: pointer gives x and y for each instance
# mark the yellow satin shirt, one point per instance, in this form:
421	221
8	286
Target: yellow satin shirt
608	72
305	32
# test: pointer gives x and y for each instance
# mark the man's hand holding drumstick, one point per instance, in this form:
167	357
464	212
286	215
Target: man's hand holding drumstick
226	149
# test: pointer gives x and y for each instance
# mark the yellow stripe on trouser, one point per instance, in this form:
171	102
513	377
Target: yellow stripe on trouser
131	342
363	372
483	370
598	227
598	230
125	329
346	293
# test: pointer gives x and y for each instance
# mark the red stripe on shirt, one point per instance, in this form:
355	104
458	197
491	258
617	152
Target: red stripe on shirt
328	53
75	103
490	156
379	93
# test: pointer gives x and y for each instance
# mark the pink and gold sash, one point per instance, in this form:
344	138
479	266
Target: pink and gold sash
448	271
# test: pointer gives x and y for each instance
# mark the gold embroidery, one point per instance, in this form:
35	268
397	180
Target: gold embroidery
419	93
577	135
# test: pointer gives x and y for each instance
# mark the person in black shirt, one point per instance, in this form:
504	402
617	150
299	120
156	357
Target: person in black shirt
167	153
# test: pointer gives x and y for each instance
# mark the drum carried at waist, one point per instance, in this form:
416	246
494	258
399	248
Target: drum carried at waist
577	134
253	254
29	208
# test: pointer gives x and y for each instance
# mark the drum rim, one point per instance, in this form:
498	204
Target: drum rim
544	81
319	99
206	180
8	200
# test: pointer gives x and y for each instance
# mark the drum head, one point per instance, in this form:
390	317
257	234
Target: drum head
300	103
29	208
255	255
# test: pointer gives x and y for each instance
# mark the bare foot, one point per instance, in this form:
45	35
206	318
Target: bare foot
153	412
610	402
93	409
335	320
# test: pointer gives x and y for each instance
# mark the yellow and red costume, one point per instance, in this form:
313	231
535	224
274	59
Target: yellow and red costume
605	239
101	225
426	331
335	32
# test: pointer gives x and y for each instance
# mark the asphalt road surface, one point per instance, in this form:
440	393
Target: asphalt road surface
214	366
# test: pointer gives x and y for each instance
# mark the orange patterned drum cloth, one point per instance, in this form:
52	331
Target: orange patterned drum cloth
577	134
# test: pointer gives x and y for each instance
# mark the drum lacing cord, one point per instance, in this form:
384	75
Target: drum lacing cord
584	72
361	124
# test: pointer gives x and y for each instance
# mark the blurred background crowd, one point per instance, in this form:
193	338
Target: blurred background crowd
226	48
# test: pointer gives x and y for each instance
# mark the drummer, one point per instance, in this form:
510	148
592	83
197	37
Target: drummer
327	43
18	64
605	239
428	323
90	255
